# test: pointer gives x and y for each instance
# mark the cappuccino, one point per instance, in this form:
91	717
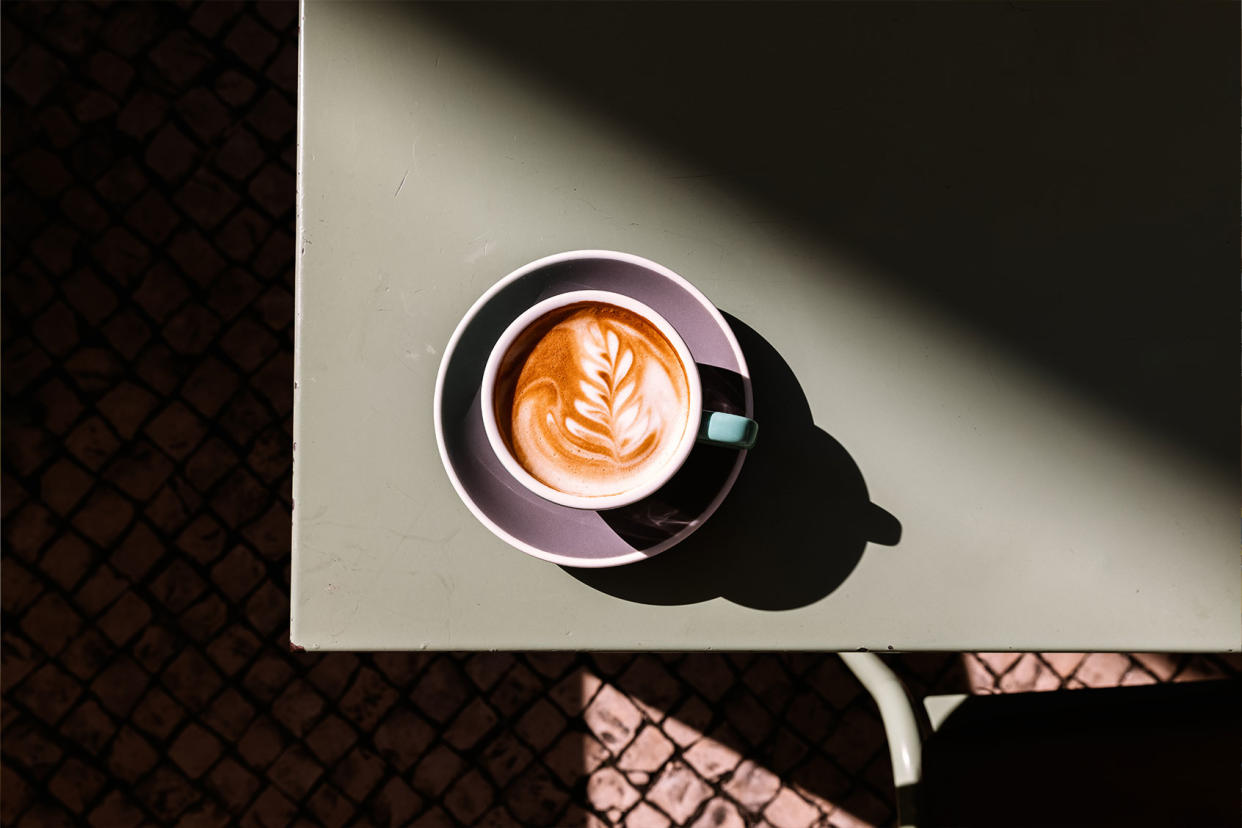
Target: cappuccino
592	399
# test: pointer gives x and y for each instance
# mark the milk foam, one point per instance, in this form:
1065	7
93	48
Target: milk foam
600	400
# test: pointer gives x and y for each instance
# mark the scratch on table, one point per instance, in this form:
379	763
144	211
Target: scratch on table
417	536
345	623
402	491
402	184
479	252
589	204
406	300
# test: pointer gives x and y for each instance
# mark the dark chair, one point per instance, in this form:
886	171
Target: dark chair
1159	755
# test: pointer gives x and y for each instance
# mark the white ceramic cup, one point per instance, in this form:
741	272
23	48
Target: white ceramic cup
659	475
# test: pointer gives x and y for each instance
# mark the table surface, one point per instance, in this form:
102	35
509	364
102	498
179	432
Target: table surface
960	302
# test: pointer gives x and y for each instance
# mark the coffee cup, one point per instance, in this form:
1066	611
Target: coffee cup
591	399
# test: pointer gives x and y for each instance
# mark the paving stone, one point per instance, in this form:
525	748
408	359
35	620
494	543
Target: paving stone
403	737
471	724
1063	663
535	798
648	752
131	755
515	690
171	153
747	716
720	813
574	692
17	795
251	41
87	655
298	707
115	809
435	817
295	771
608	790
678	791
686	725
644	816
209	18
788	810
68	558
195	750
469	797
234	784
279	14
238	573
167	793
51	623
505	757
331	738
712	759
575	755
613	718
48	693
229	715
17	585
498	817
155	648
752	786
784	751
1023	674
368	699
157	715
34	74
652	688
395	804
540	725
1136	676
331	807
1159	665
865	807
332	673
271	809
181	57
1102	669
27	533
436	770
29	745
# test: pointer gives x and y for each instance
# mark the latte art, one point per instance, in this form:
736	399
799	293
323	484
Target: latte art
591	398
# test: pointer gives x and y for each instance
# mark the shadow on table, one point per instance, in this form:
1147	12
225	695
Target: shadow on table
791	531
1035	173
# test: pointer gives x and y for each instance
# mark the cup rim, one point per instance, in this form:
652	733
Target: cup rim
600	502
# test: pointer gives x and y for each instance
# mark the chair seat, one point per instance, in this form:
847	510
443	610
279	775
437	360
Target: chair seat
1160	755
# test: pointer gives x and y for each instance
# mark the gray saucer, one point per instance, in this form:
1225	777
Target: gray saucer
574	537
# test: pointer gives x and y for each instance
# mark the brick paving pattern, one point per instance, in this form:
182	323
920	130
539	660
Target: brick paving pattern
147	307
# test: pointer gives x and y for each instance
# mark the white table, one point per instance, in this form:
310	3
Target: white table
928	289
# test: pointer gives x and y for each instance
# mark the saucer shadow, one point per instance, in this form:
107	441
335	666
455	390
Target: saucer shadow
791	531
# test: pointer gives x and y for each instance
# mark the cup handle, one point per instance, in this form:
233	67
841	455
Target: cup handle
731	430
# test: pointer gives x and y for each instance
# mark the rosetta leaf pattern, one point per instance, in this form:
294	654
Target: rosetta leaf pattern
608	411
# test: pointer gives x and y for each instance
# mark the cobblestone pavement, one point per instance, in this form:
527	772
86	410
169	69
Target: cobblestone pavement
147	345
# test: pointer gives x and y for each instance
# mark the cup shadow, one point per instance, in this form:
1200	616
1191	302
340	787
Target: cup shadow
791	531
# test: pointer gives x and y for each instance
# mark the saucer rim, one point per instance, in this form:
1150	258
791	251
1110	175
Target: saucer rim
441	374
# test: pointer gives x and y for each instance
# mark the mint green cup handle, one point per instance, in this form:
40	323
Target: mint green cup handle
720	429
